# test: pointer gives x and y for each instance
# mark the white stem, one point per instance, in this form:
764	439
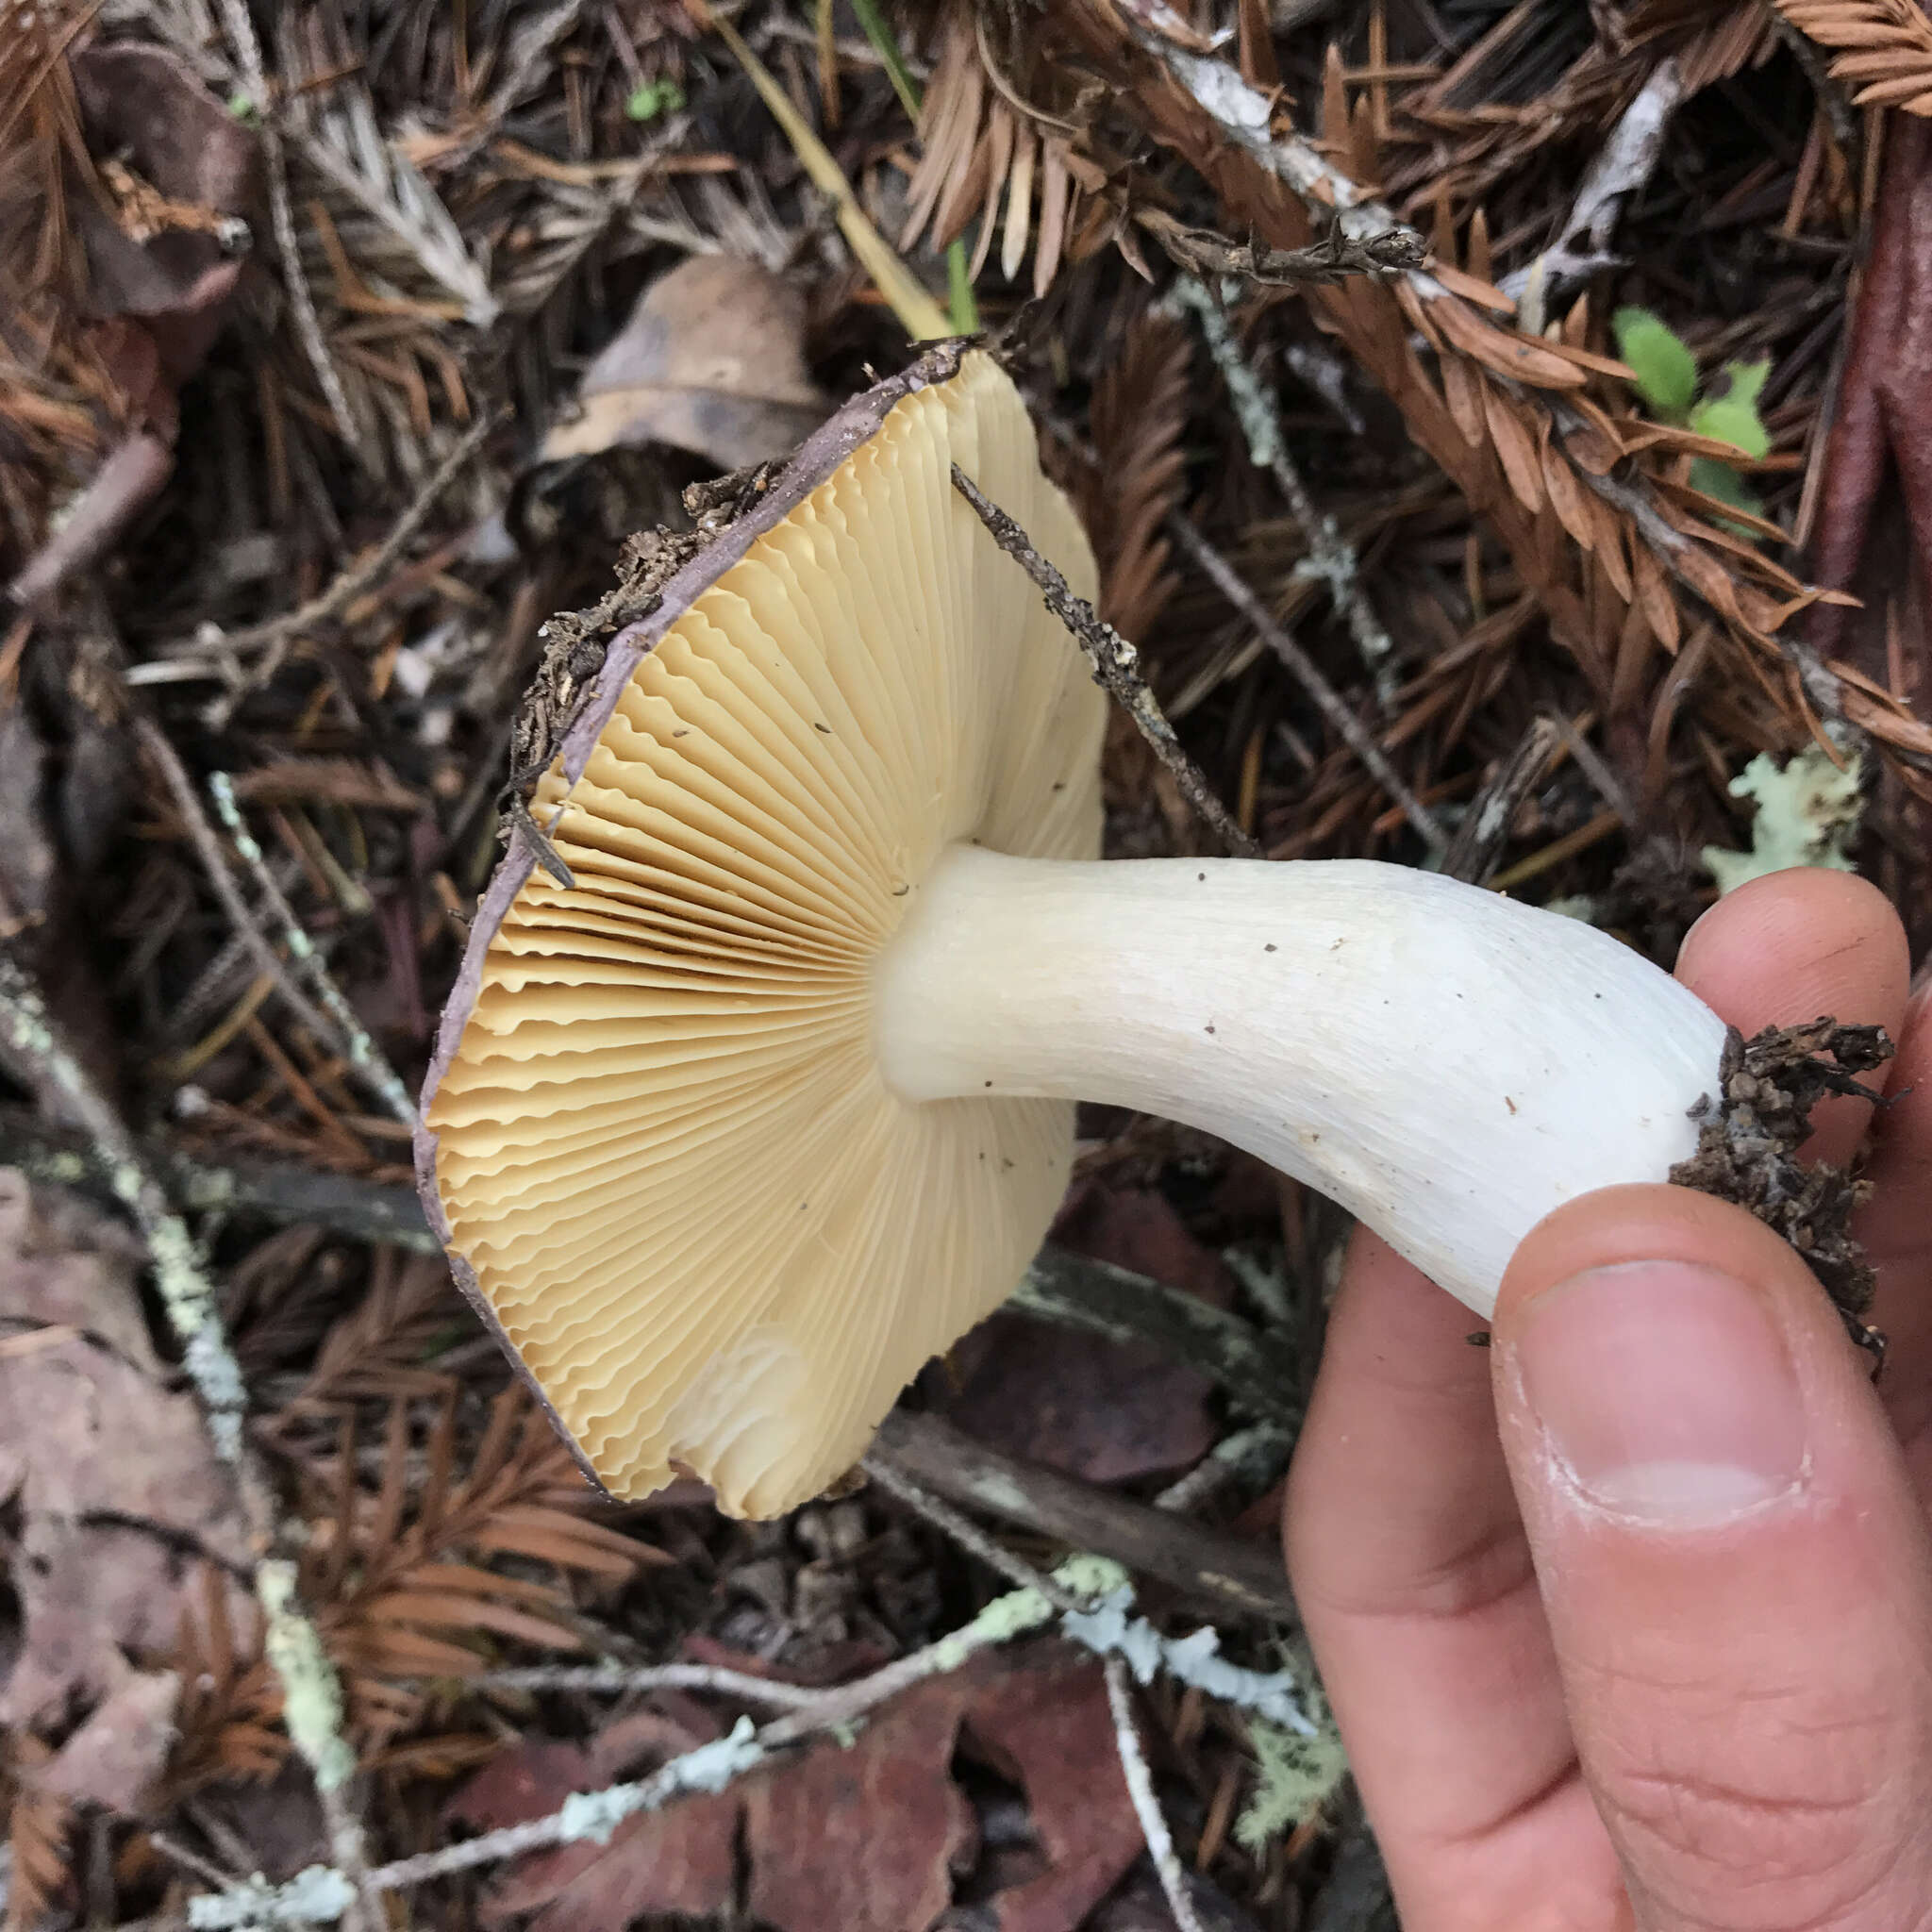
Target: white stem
1447	1064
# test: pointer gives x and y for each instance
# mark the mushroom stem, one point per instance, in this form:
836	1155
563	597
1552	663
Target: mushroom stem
1447	1064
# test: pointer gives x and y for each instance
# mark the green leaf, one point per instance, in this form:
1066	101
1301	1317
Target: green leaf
1666	370
653	98
1733	417
1720	480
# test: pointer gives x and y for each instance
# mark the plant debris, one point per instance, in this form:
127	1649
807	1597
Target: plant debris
1746	1151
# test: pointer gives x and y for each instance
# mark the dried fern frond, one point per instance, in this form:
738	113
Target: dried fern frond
377	1348
1887	47
393	1591
400	1583
1138	412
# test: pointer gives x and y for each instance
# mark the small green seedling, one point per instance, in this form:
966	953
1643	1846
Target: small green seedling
656	97
1666	375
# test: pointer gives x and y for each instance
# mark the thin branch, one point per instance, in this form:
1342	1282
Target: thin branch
1230	1575
628	1679
1167	1864
279	1192
208	849
964	1532
1329	557
308	323
364	1055
594	1815
1329	700
1474	853
1334	258
1116	666
361	577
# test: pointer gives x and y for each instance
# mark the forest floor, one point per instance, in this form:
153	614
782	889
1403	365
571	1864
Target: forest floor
1548	385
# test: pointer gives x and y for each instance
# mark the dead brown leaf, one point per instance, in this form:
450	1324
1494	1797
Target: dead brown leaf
122	1502
1044	1721
1103	1411
711	360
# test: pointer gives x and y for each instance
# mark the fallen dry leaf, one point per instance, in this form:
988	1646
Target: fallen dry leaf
121	1498
1098	1409
122	1748
682	1860
1044	1721
866	1836
711	360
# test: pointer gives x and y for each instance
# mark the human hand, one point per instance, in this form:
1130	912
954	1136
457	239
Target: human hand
1627	1619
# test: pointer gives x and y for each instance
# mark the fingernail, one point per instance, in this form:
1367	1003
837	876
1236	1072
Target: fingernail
1665	1391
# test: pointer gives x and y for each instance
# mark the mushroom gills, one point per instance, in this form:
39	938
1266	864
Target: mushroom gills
1447	1064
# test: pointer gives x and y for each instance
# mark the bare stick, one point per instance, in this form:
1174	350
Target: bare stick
1167	1864
1334	258
208	849
1116	666
364	1055
631	1678
359	577
964	1532
308	323
1359	739
1229	1573
1474	853
1329	557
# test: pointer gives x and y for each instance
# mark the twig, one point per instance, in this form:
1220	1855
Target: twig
1229	1573
1327	699
282	1193
364	1055
359	577
1329	557
312	1693
1258	1454
1334	258
1474	853
1625	162
308	323
208	849
1167	1864
1116	666
187	1296
967	1534
629	1678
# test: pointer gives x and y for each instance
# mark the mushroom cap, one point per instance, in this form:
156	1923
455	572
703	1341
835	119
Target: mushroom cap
655	1138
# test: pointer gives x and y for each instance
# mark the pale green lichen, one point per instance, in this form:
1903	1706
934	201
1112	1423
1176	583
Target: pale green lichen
311	1691
1296	1772
1809	812
594	1815
1107	1630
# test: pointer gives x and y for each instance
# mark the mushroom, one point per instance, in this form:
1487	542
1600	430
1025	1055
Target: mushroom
730	1135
